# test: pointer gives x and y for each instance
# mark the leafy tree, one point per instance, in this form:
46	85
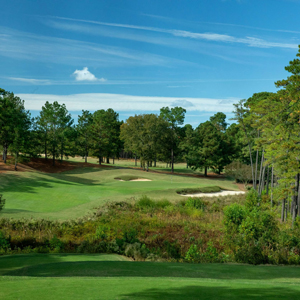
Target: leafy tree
55	122
205	147
175	118
14	122
146	135
84	132
105	130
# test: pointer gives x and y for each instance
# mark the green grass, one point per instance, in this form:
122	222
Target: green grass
74	193
111	277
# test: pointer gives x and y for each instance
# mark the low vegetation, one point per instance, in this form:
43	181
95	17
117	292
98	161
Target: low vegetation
208	189
198	230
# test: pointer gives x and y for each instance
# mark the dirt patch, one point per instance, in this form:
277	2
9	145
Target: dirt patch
11	167
45	165
222	193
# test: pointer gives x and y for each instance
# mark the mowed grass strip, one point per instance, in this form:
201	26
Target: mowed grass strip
63	276
74	193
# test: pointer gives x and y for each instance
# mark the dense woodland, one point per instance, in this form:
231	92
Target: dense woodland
261	148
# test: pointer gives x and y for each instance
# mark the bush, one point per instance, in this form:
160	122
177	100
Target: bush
4	242
195	203
145	202
252	199
2	202
233	216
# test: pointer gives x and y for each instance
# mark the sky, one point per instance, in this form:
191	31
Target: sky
137	56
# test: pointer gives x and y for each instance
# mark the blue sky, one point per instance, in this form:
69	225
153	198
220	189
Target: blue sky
137	56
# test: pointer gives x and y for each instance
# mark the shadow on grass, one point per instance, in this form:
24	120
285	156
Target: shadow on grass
212	291
52	267
22	184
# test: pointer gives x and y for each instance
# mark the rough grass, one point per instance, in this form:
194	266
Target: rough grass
109	277
206	189
74	193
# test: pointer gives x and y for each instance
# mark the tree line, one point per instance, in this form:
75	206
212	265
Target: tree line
270	126
148	137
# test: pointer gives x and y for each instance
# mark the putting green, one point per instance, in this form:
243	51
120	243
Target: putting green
73	193
70	276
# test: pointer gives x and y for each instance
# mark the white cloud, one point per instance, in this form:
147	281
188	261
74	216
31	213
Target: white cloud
250	41
121	102
86	75
31	80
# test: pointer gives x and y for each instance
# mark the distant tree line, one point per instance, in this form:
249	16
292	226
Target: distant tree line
147	137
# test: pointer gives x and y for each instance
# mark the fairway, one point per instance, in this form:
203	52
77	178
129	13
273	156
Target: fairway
74	193
71	276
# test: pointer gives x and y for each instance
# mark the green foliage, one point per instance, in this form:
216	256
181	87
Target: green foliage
249	232
196	203
56	244
2	202
146	202
252	199
4	242
208	189
234	216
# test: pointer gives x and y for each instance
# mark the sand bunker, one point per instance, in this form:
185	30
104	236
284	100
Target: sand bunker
222	193
138	179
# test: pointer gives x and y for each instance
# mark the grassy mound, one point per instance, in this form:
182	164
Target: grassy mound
208	189
128	177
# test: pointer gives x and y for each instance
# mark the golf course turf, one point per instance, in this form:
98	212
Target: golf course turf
74	193
105	276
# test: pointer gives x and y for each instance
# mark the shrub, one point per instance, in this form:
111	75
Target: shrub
195	203
2	202
103	232
209	189
233	216
4	242
56	244
145	202
252	199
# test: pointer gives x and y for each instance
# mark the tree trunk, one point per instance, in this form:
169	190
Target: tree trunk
100	157
53	158
272	185
5	153
147	165
16	160
172	160
256	165
268	179
107	159
205	171
260	172
282	210
155	162
113	160
86	154
135	161
46	149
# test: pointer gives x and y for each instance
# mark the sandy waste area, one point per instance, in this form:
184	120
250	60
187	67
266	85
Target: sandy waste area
222	193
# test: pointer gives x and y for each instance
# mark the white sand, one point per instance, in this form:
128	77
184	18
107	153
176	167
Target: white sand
141	179
222	193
